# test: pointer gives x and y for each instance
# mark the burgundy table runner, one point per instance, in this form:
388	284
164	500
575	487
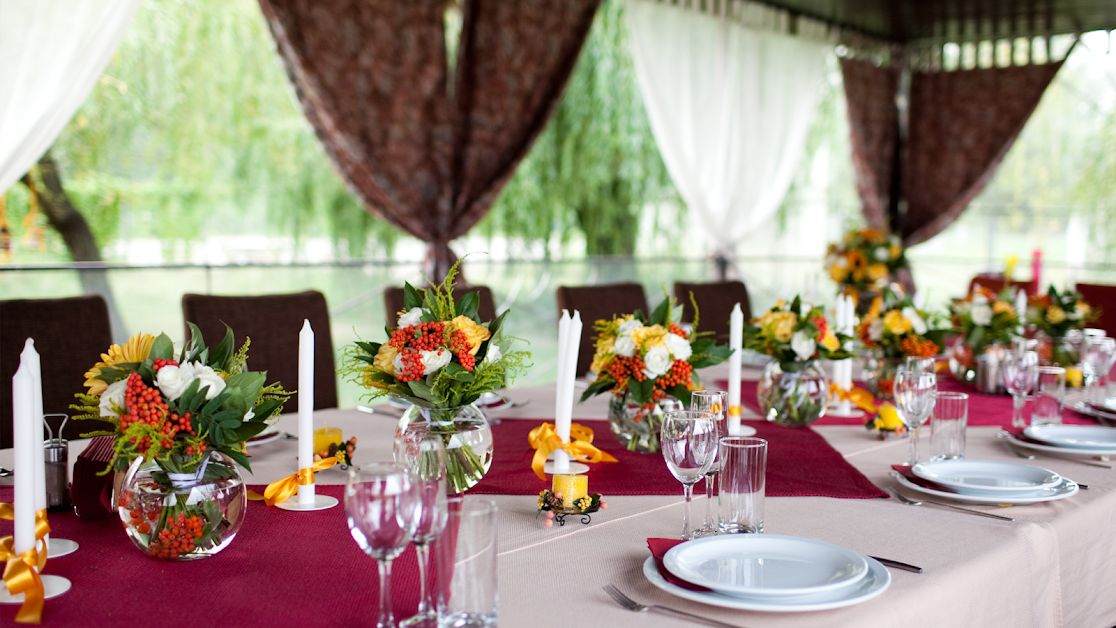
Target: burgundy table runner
282	569
799	463
983	409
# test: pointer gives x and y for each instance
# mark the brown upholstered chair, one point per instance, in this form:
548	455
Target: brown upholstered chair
996	283
273	323
597	303
714	301
70	335
393	302
1104	298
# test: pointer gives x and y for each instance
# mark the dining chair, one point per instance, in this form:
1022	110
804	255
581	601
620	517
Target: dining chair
715	302
1101	297
273	323
597	303
70	335
393	302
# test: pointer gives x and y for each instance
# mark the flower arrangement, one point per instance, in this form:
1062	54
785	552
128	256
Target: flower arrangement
1057	313
886	421
983	318
864	259
794	334
896	328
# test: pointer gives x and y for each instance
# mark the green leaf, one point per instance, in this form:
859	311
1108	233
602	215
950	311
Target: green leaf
265	409
661	315
468	305
412	298
641	391
421	390
495	326
237	456
602	384
118	372
243	389
195	346
190	400
163	348
682	394
247	430
222	354
372	348
458	373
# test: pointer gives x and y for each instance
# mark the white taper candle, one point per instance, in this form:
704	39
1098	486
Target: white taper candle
23	443
35	365
306	408
736	345
561	397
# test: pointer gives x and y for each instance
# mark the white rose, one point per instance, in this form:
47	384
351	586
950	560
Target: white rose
412	317
434	360
628	326
656	362
397	362
803	345
624	346
979	299
209	378
113	397
492	355
678	346
172	380
917	324
981	313
876	330
882	254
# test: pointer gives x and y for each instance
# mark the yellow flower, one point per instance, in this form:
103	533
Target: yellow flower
1055	315
896	250
877	272
601	360
1074	377
604	343
888	419
384	357
781	325
838	273
649	337
896	323
1083	308
999	307
136	349
830	341
474	334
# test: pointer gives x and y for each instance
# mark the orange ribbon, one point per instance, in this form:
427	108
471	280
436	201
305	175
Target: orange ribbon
544	440
42	528
20	577
280	490
858	396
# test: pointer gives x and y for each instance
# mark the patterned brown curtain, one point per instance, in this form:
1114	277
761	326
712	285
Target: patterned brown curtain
424	154
962	124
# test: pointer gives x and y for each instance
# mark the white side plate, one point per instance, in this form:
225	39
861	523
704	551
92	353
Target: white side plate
1075	436
1068	488
1061	451
983	477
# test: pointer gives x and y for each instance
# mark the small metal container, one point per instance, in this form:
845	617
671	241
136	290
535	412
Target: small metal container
56	456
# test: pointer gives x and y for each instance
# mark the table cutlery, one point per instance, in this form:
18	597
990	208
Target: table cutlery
632	605
5	472
910	502
897	565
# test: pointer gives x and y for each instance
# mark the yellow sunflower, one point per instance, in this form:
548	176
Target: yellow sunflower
135	350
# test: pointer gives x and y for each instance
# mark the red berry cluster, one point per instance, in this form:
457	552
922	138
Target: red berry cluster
679	373
177	538
459	344
143	404
623	368
823	326
678	331
160	363
173	426
413	339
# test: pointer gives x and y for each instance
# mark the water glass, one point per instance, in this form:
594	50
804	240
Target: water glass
1050	396
423	453
947	428
1096	359
1020	370
742	482
381	506
713	402
469	594
920	365
689	441
914	400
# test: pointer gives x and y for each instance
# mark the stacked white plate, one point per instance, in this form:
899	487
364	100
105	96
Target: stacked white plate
1068	440
1104	414
768	572
988	482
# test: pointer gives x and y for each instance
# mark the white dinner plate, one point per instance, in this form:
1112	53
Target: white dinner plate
1103	416
984	477
765	565
1062	451
268	435
872	584
1074	436
1068	488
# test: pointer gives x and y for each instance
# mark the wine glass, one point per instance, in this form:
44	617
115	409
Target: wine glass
712	402
1020	369
920	364
381	505
1096	359
423	453
914	399
688	440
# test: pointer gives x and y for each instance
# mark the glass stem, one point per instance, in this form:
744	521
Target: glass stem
426	603
386	619
709	522
686	531
913	458
1017	404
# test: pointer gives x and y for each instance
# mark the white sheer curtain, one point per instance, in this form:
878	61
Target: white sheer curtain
51	54
730	107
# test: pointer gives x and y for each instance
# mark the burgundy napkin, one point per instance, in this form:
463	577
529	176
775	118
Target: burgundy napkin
659	548
1017	432
92	493
923	482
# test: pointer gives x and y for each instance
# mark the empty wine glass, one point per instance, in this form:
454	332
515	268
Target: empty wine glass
712	402
1020	369
423	453
689	441
920	364
914	399
381	505
1096	358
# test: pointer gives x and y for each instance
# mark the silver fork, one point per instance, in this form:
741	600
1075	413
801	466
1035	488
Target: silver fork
910	502
632	605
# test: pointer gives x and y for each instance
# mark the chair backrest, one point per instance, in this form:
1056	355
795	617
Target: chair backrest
273	323
996	283
598	303
1104	298
70	335
715	302
393	302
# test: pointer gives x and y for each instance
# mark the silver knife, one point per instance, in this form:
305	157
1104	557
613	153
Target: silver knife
897	565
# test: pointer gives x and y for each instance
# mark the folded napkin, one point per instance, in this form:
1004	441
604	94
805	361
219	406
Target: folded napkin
659	548
92	493
923	482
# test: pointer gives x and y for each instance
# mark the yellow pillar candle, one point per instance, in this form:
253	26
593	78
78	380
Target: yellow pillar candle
573	487
324	437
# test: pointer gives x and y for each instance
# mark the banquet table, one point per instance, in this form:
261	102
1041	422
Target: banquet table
1055	565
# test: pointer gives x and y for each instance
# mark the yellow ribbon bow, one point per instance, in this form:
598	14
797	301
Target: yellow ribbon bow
858	396
42	528
544	440
280	490
20	577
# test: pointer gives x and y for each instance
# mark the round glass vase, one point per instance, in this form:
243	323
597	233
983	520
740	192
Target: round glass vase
793	395
1064	351
182	516
637	426
879	373
978	367
467	437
